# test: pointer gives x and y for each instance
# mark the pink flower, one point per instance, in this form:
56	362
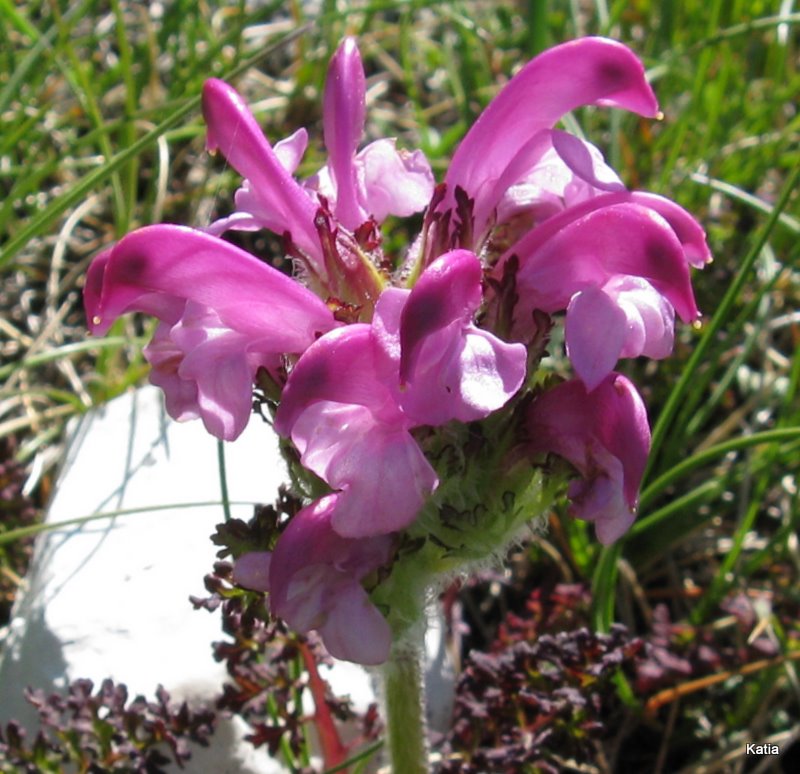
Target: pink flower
354	396
605	435
619	265
616	262
356	186
224	314
270	197
380	180
514	133
314	580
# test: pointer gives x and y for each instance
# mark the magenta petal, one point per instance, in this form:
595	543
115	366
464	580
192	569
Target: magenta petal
589	71
343	111
593	242
315	583
233	130
686	228
605	435
247	295
338	367
448	290
449	368
623	429
594	334
355	630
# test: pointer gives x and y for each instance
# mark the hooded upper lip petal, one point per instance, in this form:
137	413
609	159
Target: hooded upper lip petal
589	71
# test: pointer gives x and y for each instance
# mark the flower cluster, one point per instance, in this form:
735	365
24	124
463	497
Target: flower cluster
375	372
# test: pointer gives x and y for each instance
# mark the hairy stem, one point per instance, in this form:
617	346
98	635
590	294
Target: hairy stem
404	699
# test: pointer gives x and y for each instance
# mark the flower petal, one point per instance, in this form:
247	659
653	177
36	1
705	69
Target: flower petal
309	539
315	582
686	228
589	71
232	128
585	161
590	243
605	435
601	500
220	369
343	111
355	630
382	475
176	262
449	290
290	150
627	317
462	373
165	357
594	334
393	182
651	318
251	570
338	367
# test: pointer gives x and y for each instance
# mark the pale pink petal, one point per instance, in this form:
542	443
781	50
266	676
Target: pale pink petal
386	335
251	570
343	111
355	630
291	149
306	602
224	378
585	161
627	317
601	500
236	221
462	373
165	357
527	167
393	182
595	329
379	470
651	318
554	170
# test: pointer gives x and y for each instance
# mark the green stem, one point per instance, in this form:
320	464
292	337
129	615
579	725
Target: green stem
404	699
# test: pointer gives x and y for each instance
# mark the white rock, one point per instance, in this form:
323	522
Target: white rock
110	597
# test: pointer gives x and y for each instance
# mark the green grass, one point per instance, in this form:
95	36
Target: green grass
101	133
